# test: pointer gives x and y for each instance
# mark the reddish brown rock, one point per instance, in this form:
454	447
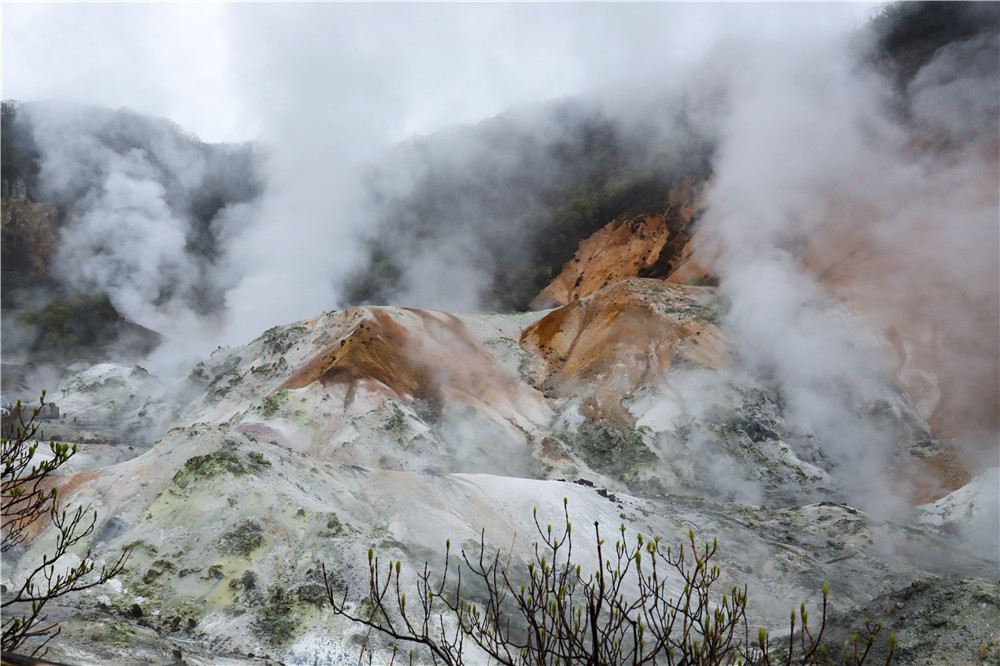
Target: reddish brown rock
610	343
628	247
421	354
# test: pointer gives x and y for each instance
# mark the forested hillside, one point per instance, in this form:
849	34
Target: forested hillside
82	187
516	194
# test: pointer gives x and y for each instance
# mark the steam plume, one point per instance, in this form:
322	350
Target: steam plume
824	193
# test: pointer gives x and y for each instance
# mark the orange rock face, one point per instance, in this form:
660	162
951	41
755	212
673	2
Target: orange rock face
419	354
622	249
939	321
608	344
641	246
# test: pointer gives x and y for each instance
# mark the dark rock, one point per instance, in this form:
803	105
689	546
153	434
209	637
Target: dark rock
757	432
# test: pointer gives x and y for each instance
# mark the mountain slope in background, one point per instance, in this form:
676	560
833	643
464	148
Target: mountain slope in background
106	213
514	195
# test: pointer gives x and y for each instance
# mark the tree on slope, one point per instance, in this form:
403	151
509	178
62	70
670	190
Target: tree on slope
550	612
28	497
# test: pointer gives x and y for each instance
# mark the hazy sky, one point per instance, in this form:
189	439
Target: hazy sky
234	71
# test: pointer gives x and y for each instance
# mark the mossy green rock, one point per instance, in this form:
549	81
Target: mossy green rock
242	540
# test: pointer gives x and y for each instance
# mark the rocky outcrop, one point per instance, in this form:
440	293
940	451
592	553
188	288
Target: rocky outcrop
942	349
610	343
648	245
622	249
419	355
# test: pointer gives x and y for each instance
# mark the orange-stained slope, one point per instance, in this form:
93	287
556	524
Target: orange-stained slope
920	289
609	344
419	354
627	247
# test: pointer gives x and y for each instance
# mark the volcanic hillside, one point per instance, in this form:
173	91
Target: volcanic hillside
801	366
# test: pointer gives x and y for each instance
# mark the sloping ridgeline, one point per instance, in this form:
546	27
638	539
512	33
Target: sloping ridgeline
521	190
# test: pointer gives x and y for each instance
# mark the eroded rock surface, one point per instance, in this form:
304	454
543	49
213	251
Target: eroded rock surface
397	429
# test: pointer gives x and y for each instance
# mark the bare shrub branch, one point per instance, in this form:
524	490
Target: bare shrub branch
550	611
26	505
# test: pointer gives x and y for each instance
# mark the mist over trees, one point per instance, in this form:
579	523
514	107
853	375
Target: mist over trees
503	204
136	212
83	184
515	194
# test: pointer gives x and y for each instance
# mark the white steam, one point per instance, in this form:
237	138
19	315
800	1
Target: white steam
448	276
123	235
821	195
324	87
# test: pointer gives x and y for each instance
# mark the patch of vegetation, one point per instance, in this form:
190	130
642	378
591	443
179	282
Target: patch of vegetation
334	527
614	451
156	569
279	339
285	404
144	546
241	540
271	403
276	619
214	573
227	382
225	461
312	593
119	634
397	426
258	459
81	321
270	370
246	583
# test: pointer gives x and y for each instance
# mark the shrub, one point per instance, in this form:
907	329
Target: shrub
26	502
553	612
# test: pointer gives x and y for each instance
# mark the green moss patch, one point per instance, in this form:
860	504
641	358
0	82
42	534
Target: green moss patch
276	620
334	527
158	568
271	370
200	468
617	452
241	540
278	340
